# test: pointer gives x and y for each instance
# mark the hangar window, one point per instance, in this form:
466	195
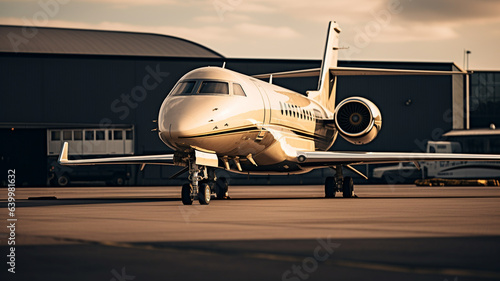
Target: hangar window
129	135
117	135
99	135
55	135
77	135
238	90
213	87
67	135
89	135
91	141
184	88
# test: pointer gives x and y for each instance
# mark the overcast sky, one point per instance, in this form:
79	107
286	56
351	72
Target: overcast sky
400	30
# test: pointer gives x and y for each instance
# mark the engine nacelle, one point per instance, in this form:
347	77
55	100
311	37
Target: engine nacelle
358	120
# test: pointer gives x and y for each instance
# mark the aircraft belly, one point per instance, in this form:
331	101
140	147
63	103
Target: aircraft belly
231	144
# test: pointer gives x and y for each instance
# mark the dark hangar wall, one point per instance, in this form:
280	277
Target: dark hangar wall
50	90
70	89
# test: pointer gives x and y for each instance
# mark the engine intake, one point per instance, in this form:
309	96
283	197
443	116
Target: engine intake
358	120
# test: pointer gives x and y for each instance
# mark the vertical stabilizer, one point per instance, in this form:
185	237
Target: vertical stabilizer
325	94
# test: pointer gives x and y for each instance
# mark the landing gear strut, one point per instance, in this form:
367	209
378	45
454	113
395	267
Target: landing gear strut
203	183
339	183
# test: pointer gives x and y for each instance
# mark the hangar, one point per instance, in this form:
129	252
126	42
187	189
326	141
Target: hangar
101	91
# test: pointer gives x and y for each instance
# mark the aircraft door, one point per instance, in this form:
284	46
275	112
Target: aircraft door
267	110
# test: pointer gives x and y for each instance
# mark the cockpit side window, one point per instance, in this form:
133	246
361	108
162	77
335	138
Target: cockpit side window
184	88
238	90
214	87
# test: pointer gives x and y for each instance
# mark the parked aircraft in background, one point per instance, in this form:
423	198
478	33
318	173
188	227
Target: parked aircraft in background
215	118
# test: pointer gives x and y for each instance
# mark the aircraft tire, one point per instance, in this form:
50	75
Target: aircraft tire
347	187
222	188
204	194
330	187
186	194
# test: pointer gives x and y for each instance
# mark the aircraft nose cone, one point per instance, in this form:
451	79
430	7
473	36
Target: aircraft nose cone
180	119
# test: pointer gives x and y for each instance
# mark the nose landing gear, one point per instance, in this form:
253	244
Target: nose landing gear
203	185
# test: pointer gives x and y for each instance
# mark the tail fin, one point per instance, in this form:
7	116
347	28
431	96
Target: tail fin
325	94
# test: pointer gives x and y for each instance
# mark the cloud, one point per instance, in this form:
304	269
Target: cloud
323	10
256	30
415	33
227	17
456	11
115	2
208	35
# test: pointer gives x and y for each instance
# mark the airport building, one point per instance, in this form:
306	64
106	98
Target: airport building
101	92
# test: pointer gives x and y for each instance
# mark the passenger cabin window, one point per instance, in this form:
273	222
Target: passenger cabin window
184	88
238	90
213	87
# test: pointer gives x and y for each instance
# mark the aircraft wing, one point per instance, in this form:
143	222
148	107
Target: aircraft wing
354	71
163	159
331	158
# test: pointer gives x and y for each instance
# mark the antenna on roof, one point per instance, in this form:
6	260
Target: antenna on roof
224	65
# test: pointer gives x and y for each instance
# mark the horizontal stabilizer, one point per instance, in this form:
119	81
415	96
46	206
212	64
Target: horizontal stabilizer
163	159
354	71
290	74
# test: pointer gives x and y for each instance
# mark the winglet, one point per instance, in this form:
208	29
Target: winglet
63	157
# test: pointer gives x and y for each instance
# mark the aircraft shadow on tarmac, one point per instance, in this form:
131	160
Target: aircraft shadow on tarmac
441	258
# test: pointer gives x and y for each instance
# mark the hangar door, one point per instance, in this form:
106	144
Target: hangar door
25	151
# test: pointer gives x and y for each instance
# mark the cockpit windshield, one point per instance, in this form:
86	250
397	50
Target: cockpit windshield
201	88
213	87
184	88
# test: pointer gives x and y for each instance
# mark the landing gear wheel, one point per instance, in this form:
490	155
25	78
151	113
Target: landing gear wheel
347	187
119	181
63	180
204	193
186	194
330	187
222	188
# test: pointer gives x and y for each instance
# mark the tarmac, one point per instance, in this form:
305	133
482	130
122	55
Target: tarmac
398	232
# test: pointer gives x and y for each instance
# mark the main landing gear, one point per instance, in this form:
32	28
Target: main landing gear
203	183
339	183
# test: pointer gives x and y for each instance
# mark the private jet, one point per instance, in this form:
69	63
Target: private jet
215	118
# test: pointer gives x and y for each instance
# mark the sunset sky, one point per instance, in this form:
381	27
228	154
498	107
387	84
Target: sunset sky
400	30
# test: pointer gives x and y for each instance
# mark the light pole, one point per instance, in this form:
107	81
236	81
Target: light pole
468	53
467	90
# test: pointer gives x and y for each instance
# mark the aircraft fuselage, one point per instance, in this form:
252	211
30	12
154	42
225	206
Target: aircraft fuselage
234	115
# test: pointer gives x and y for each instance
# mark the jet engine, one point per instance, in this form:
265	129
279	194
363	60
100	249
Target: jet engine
358	120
